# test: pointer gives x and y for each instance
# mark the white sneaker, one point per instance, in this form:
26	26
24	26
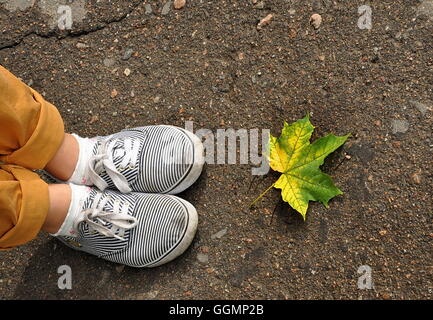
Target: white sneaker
154	159
135	229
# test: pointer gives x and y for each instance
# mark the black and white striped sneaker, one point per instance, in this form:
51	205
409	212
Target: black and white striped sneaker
153	159
135	229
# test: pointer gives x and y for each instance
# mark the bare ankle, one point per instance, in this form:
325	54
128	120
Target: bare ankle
60	199
63	164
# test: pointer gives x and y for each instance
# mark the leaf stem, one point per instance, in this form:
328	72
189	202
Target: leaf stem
260	196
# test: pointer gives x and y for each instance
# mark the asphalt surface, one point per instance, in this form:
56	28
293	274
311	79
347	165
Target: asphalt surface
208	63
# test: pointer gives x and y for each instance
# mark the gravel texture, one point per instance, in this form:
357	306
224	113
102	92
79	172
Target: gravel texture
210	64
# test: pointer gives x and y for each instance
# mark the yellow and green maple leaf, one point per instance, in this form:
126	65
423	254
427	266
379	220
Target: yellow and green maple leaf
299	162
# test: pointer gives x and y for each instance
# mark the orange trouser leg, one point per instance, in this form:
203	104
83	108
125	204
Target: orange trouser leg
24	204
31	131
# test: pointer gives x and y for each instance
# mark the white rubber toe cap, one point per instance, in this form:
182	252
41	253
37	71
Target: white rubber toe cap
187	238
197	166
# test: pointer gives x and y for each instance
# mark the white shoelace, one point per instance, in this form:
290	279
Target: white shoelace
103	160
98	219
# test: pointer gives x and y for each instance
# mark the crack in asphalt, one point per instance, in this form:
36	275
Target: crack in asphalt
53	34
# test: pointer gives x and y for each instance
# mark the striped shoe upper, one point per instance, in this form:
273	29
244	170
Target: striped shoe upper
153	159
162	221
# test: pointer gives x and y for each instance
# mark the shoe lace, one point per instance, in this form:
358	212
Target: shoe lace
103	161
98	220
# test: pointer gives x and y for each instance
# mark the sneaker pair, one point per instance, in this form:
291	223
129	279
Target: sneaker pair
123	207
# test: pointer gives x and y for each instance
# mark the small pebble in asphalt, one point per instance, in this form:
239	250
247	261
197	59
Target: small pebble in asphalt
202	258
260	5
166	8
127	72
416	178
399	126
420	106
127	54
179	4
94	119
81	45
114	93
219	234
316	20
148	8
266	20
108	62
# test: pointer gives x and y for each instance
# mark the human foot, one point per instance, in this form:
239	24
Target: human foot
154	159
135	229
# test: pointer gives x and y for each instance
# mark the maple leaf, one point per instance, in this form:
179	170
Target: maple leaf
299	162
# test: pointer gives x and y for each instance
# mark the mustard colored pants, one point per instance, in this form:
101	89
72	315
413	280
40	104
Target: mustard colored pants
31	131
